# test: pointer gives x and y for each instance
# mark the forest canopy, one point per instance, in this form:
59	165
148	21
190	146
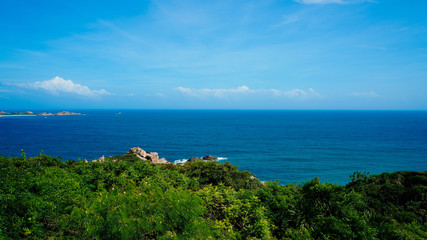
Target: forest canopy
123	197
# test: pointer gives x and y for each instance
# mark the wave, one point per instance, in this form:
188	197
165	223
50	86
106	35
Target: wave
185	160
180	161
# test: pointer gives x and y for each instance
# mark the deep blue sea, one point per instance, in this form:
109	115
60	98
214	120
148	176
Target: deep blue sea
290	146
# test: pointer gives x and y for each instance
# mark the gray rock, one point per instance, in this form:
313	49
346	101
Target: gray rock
192	159
210	158
101	159
163	161
153	157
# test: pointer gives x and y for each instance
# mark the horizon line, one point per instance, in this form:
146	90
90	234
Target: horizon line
197	109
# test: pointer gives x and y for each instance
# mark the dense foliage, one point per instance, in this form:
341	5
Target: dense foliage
125	198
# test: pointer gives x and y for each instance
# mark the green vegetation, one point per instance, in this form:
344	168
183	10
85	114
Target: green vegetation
44	198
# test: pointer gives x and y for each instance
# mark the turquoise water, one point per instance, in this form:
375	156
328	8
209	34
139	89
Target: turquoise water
290	146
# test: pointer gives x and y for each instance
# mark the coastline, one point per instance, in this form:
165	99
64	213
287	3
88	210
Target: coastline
30	113
16	115
88	199
285	145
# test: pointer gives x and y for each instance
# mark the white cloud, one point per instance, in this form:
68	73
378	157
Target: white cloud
158	94
331	1
214	92
244	90
58	85
296	93
365	94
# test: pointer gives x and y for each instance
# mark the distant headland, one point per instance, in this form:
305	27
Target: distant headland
30	113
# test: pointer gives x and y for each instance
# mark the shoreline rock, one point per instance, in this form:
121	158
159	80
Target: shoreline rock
192	159
210	158
205	158
101	159
153	157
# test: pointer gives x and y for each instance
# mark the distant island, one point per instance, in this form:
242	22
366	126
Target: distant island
30	113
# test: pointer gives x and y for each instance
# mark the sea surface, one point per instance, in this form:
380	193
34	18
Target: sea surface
289	146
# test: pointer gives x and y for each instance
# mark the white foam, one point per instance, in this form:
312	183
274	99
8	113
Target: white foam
185	160
180	161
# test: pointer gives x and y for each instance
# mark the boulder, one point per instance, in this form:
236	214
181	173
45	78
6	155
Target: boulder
101	159
153	157
163	160
140	153
210	158
192	159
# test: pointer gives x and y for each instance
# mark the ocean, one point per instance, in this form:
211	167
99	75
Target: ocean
289	146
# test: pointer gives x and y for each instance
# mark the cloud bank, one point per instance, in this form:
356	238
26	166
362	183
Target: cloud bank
58	85
244	90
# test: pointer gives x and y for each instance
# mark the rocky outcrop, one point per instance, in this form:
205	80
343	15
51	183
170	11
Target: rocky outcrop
101	159
153	157
30	113
192	159
205	158
45	114
66	113
210	158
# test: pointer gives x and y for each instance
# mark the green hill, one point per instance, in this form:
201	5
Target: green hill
45	198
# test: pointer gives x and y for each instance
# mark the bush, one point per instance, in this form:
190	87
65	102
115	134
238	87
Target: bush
126	198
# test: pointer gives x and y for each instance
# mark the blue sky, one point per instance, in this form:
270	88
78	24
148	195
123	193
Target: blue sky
285	54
